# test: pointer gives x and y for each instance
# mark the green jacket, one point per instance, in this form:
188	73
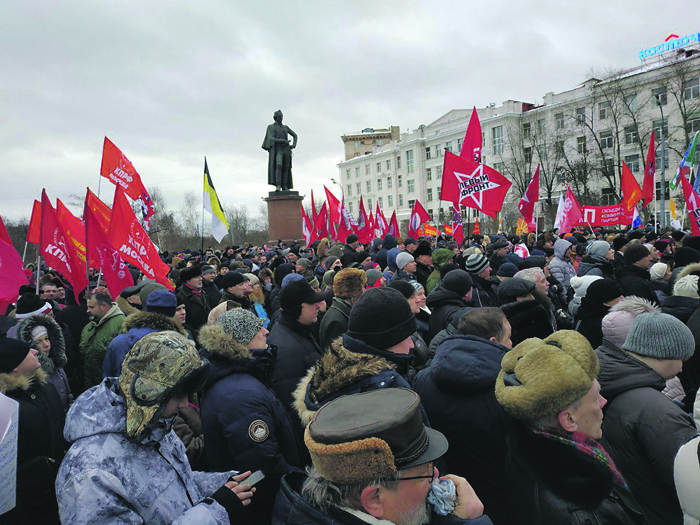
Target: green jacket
94	340
441	256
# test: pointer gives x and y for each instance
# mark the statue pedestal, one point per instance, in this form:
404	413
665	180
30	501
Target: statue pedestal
284	215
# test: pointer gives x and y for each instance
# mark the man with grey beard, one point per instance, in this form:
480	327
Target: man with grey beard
373	462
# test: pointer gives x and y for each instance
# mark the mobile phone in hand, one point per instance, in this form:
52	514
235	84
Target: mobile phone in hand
253	478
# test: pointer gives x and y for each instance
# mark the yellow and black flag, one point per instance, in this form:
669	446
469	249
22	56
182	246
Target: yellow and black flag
219	226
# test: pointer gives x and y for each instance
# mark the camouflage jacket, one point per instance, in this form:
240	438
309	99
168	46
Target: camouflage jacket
107	478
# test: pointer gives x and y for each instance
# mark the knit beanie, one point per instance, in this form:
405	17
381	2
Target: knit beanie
328	277
685	256
686	286
636	253
599	248
476	263
458	281
541	377
405	287
30	304
658	271
38	331
329	262
381	318
12	353
507	270
403	259
373	276
580	284
232	279
660	336
148	290
602	290
241	324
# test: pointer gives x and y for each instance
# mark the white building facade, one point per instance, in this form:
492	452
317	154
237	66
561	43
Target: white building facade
580	137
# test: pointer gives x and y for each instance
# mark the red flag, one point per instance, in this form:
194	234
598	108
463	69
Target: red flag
306	228
382	223
393	225
118	169
447	228
468	183
477	228
132	241
364	233
471	148
334	206
571	214
74	230
631	192
11	269
314	214
320	225
649	172
372	224
34	232
57	250
114	269
692	202
527	203
457	228
418	217
102	212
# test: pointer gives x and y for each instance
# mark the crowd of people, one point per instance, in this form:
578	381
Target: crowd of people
534	379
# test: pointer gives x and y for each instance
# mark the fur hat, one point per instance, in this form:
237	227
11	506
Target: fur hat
540	378
423	249
381	318
349	284
158	366
190	273
403	259
618	322
240	324
660	336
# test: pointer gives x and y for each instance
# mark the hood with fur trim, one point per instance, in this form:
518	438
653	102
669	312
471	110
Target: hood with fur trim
220	344
687	270
57	354
338	369
153	320
10	383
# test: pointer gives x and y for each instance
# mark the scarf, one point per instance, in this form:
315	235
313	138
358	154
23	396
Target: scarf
197	292
587	446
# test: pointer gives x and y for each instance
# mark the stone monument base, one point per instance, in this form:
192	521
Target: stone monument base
284	216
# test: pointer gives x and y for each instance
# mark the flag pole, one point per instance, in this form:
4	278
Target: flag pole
87	251
24	253
41	242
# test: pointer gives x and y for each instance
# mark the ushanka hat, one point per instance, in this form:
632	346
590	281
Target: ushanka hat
369	436
159	366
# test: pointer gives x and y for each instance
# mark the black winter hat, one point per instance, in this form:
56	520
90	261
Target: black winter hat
409	240
381	318
423	249
510	290
351	239
31	304
458	281
297	293
602	290
619	242
406	288
233	279
190	273
636	253
447	268
12	353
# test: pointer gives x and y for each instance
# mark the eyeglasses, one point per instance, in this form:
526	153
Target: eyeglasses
431	477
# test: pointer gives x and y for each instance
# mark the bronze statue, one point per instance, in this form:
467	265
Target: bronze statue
276	143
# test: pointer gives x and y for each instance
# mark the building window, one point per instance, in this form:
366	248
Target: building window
559	121
527	130
667	195
448	146
632	162
409	161
389	183
349	190
581	145
542	152
604	110
499	167
398	162
369	201
559	148
391	201
560	175
379	167
427	153
609	196
429	174
608	167
660	95
359	189
527	155
692	89
400	180
693	124
367	170
411	185
347	174
379	184
630	103
380	202
411	202
357	171
661	162
380	142
631	135
400	199
369	186
438	150
606	139
350	206
430	214
581	115
388	164
497	140
661	126
439	172
459	144
357	144
430	194
540	126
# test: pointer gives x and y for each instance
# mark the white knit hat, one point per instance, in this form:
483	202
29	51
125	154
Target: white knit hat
658	271
687	286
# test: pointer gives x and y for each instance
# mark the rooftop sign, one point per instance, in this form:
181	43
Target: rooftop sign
672	42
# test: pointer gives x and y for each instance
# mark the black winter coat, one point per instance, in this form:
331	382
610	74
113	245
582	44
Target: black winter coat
457	393
349	256
197	307
589	321
552	483
596	265
422	273
527	319
635	281
334	322
443	304
245	425
680	307
484	292
642	430
211	290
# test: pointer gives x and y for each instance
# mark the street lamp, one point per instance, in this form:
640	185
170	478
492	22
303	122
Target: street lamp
340	186
663	163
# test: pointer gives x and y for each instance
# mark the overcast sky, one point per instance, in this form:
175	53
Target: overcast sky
170	82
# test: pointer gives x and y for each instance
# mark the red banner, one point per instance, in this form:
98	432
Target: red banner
692	202
114	269
467	183
74	230
132	241
418	217
103	214
34	232
11	270
531	196
430	230
605	215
